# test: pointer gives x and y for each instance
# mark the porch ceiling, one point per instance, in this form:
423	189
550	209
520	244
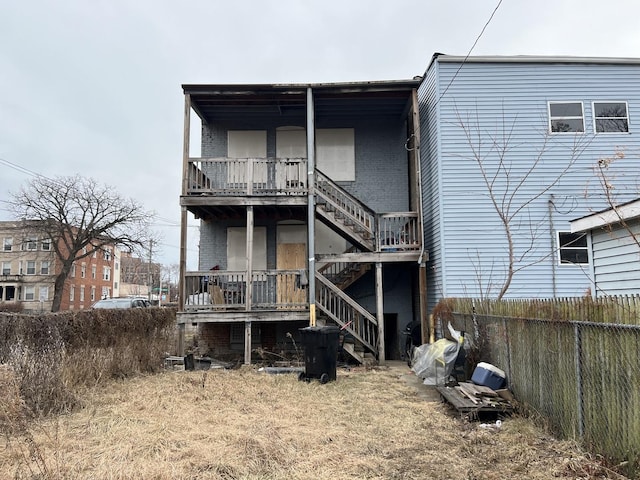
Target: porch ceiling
260	213
230	102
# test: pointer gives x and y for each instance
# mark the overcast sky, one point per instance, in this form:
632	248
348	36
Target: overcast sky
94	87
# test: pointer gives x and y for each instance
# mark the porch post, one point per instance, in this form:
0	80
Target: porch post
249	283
183	213
425	328
247	342
380	313
311	155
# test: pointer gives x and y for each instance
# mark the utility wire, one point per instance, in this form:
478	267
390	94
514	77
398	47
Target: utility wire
470	50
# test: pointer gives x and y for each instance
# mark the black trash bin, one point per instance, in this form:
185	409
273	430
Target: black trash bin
320	352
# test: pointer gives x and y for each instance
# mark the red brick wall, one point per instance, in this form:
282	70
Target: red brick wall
214	337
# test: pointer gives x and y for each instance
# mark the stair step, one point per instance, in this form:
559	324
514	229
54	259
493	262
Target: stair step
351	350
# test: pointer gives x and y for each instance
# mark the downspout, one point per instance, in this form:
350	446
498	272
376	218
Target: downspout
550	206
311	153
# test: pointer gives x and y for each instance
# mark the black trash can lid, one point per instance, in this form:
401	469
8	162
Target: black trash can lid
325	329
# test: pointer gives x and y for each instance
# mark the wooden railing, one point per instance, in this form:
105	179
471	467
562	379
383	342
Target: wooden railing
398	231
225	290
247	176
346	312
352	211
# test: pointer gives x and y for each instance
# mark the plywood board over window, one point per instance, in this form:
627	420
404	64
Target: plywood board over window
247	144
336	153
237	248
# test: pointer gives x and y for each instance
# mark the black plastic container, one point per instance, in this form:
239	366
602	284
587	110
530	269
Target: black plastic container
320	353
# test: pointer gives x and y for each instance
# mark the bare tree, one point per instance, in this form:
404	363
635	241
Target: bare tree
80	217
613	196
513	187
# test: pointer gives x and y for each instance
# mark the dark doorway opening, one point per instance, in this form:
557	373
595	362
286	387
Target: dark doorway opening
391	344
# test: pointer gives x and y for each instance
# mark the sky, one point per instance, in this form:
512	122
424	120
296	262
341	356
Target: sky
94	87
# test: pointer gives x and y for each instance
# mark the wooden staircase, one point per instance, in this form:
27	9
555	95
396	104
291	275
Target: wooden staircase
344	213
348	314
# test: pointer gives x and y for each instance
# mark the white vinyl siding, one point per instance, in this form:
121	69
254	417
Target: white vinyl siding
464	237
616	260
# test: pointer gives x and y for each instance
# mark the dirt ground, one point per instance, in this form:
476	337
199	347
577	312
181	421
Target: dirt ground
244	424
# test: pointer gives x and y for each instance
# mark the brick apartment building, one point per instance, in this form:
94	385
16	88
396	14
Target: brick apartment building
29	267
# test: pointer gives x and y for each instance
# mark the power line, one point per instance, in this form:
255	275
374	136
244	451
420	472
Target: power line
470	50
22	169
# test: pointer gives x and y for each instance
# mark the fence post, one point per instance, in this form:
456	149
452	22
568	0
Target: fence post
506	338
578	361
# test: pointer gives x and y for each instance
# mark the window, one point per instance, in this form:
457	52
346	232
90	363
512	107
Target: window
106	273
93	293
6	268
44	267
106	254
7	244
30	292
30	244
46	244
106	292
43	294
72	293
573	248
247	144
82	293
335	153
566	117
73	270
31	267
93	271
83	270
237	248
610	117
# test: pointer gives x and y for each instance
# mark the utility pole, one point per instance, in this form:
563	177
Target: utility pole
149	280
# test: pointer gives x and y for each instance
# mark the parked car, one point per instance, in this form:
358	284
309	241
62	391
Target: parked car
121	303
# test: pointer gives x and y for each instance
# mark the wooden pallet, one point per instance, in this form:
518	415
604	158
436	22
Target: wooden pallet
470	398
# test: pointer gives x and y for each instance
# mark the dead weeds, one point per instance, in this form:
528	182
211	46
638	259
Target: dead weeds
247	425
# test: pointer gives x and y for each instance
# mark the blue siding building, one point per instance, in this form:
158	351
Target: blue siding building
515	142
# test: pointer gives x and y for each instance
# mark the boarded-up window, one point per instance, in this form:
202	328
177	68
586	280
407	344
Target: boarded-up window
335	153
246	144
237	248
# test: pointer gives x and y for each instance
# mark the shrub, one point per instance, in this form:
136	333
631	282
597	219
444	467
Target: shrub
53	356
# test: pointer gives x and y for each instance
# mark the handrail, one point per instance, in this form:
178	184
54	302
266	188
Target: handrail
347	204
346	312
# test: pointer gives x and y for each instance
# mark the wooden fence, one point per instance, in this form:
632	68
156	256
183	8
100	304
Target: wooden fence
575	361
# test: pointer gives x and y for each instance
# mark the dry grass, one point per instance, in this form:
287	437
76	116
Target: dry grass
247	425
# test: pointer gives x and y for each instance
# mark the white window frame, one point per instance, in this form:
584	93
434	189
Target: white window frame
581	247
43	293
106	273
94	271
82	293
73	270
7	244
45	266
30	244
93	293
72	293
595	119
6	268
83	270
29	293
551	119
30	267
45	245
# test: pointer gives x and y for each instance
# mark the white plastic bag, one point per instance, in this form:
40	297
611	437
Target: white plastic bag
434	362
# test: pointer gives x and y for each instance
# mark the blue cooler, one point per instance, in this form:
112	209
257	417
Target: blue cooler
488	375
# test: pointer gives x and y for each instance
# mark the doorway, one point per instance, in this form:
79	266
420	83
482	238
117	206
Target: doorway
391	344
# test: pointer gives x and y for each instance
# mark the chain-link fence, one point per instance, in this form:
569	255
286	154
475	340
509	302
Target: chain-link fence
584	377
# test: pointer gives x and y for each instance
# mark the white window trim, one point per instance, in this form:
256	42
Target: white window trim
26	268
587	248
593	117
7	242
29	290
554	102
